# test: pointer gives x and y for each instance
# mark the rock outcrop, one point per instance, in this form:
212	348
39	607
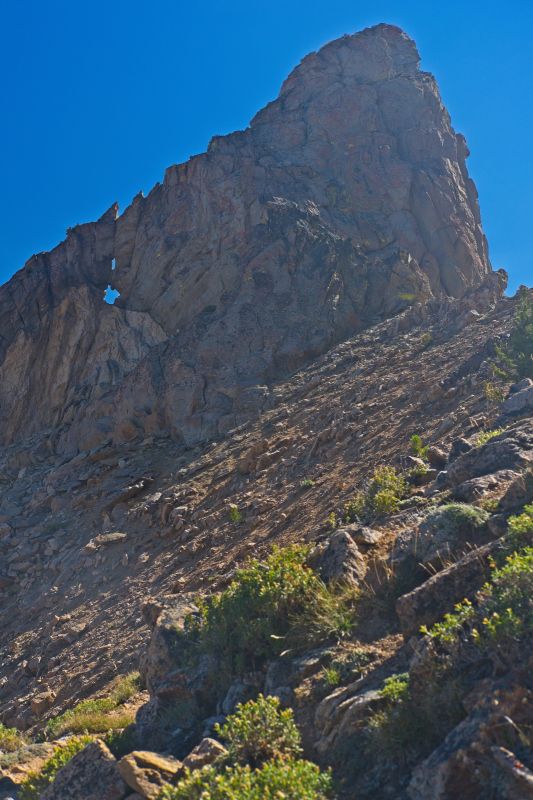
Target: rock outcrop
346	200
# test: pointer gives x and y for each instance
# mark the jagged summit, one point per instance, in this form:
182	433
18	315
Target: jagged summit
346	200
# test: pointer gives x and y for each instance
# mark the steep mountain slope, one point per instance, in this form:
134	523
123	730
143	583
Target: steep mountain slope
332	423
295	305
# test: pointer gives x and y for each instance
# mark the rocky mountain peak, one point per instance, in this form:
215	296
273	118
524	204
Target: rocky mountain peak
345	201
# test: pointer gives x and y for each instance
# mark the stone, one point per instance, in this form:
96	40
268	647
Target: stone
91	774
148	773
362	534
495	483
428	602
445	533
42	702
238	692
162	655
339	560
208	751
437	458
520	402
519	492
511	450
472	757
343	713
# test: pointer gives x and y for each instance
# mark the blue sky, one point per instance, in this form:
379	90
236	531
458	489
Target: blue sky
100	97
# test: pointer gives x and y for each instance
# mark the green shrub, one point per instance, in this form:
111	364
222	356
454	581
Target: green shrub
235	515
288	779
331	676
418	448
515	356
268	607
11	739
307	483
36	782
259	731
506	602
503	615
486	436
383	495
396	687
522	523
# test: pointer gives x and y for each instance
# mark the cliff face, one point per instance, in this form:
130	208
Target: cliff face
346	200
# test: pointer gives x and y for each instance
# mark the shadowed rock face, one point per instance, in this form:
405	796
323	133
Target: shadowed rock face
345	200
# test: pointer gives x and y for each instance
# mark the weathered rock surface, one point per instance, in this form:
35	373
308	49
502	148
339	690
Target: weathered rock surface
475	757
91	775
346	199
147	773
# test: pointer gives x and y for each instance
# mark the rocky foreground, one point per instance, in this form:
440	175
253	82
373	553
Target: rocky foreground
266	523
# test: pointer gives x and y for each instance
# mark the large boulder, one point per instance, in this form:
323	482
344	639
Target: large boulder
475	757
148	773
92	774
338	560
511	450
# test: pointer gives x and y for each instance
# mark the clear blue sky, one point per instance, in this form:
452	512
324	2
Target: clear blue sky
100	97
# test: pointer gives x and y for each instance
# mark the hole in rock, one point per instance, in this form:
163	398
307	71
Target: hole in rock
110	295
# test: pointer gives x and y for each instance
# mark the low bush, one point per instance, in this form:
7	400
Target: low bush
288	779
259	731
11	739
382	496
36	782
501	618
418	448
270	606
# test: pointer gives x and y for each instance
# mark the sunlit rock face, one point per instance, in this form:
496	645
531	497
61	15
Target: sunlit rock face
346	200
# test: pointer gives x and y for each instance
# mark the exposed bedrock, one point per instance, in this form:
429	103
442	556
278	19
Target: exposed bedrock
346	200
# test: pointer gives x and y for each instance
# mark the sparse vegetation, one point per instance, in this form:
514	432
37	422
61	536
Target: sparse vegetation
97	715
36	782
382	496
11	739
515	355
347	667
486	436
307	483
493	393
